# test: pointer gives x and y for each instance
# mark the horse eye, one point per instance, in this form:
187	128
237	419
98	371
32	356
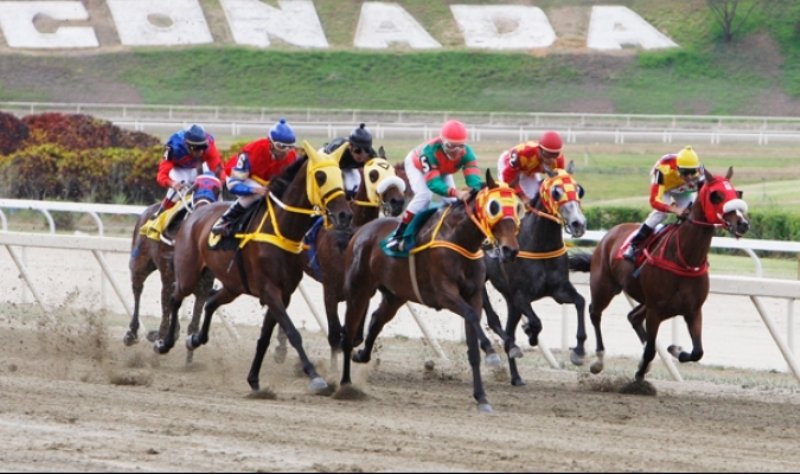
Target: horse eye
320	177
556	193
494	207
373	176
716	197
580	192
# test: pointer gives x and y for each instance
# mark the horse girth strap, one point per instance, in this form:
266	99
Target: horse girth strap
542	255
433	243
277	239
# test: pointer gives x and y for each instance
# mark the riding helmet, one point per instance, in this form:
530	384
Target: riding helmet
687	158
195	135
551	141
282	132
360	136
454	131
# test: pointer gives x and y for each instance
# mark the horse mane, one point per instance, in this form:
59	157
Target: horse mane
278	185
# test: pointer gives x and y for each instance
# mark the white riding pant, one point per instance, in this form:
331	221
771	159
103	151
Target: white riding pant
529	183
186	175
422	194
680	199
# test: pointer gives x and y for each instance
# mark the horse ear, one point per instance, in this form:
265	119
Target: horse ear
381	152
489	180
311	153
729	174
571	166
550	172
707	174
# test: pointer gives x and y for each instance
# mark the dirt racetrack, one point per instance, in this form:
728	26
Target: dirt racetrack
73	398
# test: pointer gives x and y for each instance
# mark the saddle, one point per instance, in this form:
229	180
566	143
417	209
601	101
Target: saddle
164	226
238	226
410	233
649	242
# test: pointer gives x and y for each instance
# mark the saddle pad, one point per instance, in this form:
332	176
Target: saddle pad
410	233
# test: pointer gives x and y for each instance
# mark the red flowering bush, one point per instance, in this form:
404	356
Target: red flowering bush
13	132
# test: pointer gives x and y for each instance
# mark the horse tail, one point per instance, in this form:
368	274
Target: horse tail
580	261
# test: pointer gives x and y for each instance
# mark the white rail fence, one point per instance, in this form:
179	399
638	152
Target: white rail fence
754	288
401	124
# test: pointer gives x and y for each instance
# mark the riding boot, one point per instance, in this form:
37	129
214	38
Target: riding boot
395	242
644	231
225	221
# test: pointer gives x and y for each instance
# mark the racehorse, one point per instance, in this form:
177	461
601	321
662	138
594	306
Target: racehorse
153	250
380	190
446	272
263	260
671	275
541	267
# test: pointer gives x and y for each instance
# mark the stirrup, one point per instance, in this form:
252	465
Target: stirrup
630	254
396	244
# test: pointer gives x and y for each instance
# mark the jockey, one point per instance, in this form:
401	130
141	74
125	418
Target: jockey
527	160
250	171
184	152
359	150
673	187
430	168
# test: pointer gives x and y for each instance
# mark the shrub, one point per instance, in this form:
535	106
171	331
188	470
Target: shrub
80	132
12	133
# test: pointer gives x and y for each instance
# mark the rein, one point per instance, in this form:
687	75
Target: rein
681	268
277	239
543	255
433	243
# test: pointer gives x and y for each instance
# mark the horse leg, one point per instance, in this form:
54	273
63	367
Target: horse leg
334	325
162	346
695	326
636	318
277	308
534	325
167	282
514	316
567	293
280	351
267	326
649	353
215	300
201	293
602	292
141	268
493	320
389	306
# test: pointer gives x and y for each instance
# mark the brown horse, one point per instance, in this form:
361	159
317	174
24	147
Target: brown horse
541	267
380	190
151	251
263	260
446	272
671	277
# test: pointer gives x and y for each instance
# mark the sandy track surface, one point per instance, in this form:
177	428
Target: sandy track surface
72	397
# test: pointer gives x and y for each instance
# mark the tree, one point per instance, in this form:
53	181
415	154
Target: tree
725	13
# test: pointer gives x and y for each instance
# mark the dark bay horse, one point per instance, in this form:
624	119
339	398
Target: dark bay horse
445	272
264	259
541	267
152	250
671	277
380	190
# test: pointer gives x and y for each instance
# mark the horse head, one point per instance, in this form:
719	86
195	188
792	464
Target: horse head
498	209
325	187
561	197
383	186
721	204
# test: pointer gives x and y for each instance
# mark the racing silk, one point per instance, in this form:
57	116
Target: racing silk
255	165
347	161
667	181
527	159
177	156
434	164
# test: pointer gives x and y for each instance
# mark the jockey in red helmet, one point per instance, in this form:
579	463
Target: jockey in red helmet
430	168
526	161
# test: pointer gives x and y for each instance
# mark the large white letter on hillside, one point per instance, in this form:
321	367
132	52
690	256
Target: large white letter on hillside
159	22
612	27
16	21
382	24
295	22
503	26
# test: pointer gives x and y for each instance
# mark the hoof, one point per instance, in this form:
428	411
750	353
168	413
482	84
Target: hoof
576	359
518	382
361	357
130	338
152	336
493	360
160	347
515	353
189	357
485	408
318	384
596	367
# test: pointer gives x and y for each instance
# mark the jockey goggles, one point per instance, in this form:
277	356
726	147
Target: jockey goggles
282	146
